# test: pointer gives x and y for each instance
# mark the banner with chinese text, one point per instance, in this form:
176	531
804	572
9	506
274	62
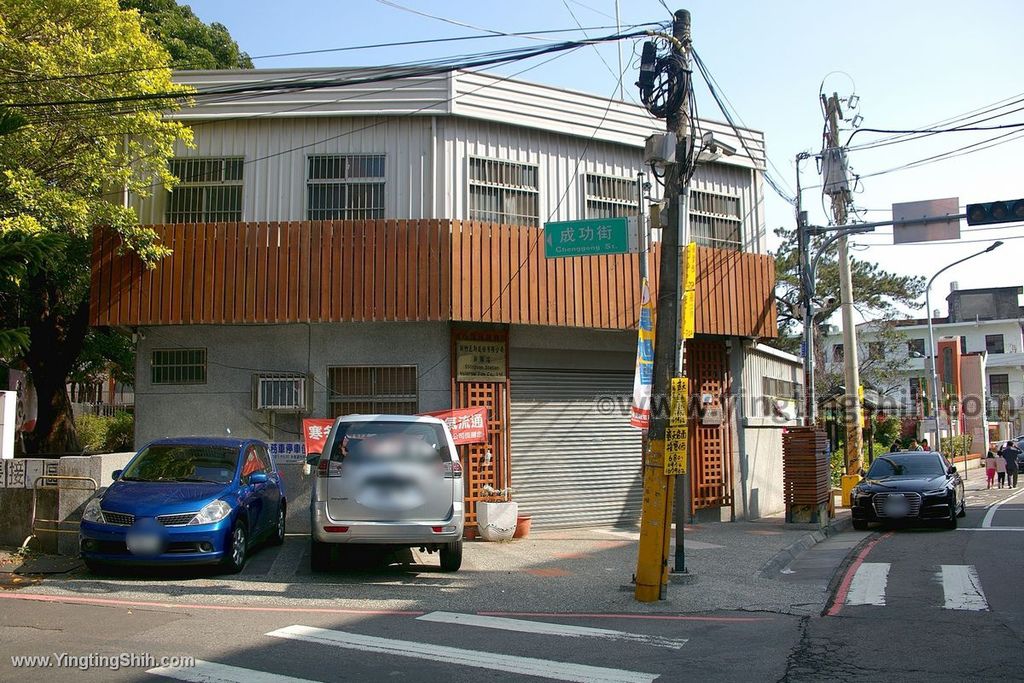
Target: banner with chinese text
640	412
467	425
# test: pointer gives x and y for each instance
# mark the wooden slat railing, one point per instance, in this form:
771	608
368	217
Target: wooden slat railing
428	270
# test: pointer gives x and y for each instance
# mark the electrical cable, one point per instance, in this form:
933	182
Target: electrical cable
598	51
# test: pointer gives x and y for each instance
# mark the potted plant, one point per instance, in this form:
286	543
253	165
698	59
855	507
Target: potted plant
497	515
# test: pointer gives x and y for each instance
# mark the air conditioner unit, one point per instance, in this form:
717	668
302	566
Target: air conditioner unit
281	392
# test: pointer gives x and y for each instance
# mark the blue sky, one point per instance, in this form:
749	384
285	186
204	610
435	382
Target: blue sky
911	62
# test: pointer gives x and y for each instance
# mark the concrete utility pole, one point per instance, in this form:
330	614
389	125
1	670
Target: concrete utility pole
803	240
656	519
840	199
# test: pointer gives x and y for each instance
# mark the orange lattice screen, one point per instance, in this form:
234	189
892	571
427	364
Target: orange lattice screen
710	445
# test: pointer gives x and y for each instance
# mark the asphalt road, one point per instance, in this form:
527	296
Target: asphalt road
909	605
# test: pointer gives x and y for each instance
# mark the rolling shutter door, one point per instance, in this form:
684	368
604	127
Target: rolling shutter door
573	466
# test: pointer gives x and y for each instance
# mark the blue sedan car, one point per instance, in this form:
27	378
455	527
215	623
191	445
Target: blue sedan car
186	501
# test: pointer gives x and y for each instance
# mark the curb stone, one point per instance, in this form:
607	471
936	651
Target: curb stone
805	542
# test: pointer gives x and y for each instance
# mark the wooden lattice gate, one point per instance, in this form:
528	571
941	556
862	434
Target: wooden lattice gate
710	444
484	463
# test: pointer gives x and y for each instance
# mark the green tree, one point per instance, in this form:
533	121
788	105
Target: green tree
878	293
65	171
191	43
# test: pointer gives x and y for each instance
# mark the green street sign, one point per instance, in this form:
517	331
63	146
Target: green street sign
590	237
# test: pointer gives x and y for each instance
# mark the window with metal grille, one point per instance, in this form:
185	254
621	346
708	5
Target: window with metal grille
371	390
610	197
779	388
178	366
210	190
280	391
503	192
716	220
344	187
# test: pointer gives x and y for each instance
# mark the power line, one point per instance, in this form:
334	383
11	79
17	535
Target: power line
949	243
600	56
375	75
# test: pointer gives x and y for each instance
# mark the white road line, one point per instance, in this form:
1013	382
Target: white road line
990	513
991	528
548	629
962	588
868	585
529	666
212	672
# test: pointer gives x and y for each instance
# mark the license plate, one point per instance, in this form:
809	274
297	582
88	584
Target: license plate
143	544
897	506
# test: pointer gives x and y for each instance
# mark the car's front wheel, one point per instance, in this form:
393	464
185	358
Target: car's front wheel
237	551
951	523
963	509
451	556
319	556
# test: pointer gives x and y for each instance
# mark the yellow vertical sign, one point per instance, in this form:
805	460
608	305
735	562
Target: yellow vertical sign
676	435
689	307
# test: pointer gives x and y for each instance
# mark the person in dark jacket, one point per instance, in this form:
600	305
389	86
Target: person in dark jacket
1010	453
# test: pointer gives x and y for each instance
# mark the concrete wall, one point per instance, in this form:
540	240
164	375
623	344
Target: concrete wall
73	495
15	514
236	352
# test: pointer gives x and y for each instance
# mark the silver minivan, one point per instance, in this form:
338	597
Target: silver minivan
388	480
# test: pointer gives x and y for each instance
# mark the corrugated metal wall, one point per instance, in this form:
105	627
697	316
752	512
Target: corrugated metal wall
574	463
757	365
275	152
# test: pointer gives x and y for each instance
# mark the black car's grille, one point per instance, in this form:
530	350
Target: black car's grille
118	518
913	503
176	520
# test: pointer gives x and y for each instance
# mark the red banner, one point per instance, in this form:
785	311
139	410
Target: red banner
468	425
315	432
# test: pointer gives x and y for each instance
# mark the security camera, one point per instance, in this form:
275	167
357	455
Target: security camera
715	147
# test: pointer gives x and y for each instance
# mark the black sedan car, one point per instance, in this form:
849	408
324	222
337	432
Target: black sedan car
909	486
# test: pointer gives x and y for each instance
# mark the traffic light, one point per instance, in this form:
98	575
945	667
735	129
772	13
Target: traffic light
1008	211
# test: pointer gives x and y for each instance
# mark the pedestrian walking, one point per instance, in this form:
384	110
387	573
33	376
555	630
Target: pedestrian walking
1010	453
990	464
914	446
924	445
1001	469
895	448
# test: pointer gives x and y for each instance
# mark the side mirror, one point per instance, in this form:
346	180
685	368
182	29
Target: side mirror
313	459
115	475
861	472
258	478
952	469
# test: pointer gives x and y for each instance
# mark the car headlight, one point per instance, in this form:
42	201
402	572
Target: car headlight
214	512
937	492
93	512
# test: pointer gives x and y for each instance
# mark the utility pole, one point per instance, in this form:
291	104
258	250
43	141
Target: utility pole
807	298
656	518
840	198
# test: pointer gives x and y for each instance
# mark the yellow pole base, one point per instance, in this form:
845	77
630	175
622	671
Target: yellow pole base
848	482
655	526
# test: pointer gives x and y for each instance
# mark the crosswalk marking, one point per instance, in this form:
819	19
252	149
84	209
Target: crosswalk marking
212	672
529	666
549	629
962	588
868	585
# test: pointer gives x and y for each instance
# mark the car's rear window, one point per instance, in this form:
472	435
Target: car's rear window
176	462
907	465
384	440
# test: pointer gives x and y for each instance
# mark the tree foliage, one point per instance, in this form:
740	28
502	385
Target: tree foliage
64	171
879	294
191	43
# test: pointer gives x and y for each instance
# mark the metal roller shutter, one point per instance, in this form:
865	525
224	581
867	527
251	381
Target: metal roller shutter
573	466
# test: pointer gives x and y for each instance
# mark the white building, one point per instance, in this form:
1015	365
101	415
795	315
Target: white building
986	321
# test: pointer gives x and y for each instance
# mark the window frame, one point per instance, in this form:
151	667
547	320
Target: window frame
989	342
375	399
714	219
991	390
345	212
154	366
497	189
916	346
203	186
593	201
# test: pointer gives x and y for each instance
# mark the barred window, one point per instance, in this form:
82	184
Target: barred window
610	197
716	220
210	189
503	192
372	390
344	187
178	366
779	388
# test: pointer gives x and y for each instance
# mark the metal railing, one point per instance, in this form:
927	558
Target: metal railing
33	530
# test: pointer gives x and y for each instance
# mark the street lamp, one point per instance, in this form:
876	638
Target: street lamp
931	343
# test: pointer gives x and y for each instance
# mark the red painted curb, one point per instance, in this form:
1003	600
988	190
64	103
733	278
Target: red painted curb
844	585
